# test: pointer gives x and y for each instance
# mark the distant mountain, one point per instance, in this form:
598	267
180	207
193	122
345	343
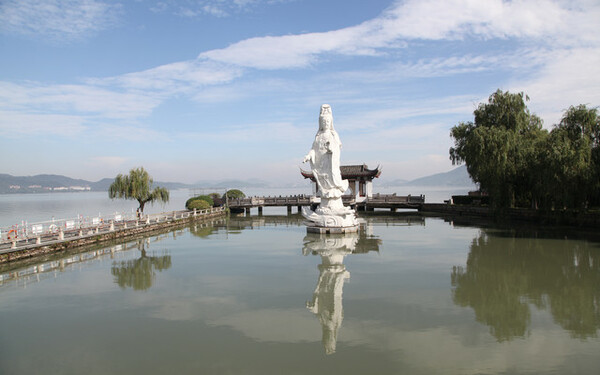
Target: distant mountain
44	183
456	177
52	183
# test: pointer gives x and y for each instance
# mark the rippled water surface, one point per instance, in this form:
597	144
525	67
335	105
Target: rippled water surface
258	295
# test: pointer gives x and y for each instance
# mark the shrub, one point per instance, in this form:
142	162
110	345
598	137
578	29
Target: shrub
205	198
234	193
198	204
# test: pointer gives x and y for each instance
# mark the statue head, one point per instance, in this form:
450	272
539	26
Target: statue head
325	118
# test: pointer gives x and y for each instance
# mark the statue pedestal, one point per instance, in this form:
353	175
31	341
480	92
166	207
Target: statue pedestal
332	230
330	219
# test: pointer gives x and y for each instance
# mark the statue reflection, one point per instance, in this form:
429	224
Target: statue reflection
139	274
326	302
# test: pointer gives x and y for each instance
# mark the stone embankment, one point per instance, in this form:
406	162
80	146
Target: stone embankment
584	219
12	250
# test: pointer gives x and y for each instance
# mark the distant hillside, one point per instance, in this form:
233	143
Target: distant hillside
45	183
456	177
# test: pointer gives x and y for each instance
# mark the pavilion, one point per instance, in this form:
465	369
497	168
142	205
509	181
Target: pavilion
360	180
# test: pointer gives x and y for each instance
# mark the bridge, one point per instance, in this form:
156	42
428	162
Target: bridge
386	201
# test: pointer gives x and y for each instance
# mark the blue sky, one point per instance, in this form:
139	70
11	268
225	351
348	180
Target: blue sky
220	89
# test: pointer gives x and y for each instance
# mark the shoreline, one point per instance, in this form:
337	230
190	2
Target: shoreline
84	240
571	218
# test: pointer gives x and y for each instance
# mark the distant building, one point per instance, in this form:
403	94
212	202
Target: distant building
360	180
35	186
14	187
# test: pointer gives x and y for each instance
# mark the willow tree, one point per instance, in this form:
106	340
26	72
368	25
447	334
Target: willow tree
137	185
573	158
500	148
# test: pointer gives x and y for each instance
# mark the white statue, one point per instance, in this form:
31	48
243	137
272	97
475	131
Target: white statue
324	158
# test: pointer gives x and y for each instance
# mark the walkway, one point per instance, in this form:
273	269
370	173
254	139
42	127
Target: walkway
60	234
390	201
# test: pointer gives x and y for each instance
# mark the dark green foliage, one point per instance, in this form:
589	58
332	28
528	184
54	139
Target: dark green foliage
139	273
137	185
234	193
198	204
563	279
518	163
207	198
471	200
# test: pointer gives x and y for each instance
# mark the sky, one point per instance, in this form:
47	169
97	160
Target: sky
210	90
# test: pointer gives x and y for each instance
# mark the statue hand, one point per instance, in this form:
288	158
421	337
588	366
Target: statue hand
309	157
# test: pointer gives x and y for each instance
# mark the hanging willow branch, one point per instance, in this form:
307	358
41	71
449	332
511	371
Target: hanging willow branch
137	186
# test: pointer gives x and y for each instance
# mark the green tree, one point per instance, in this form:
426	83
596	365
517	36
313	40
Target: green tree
198	204
137	185
207	198
234	193
501	148
573	157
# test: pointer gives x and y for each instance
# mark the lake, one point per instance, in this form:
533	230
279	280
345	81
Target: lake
258	295
31	208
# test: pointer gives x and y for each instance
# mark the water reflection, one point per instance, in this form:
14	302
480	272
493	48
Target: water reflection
326	302
504	275
139	274
203	230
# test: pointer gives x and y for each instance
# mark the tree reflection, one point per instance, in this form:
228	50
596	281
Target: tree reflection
505	274
203	230
139	273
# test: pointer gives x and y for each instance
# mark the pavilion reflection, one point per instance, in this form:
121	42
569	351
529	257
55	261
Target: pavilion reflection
326	302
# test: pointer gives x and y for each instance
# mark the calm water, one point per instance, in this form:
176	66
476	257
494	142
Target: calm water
408	295
17	208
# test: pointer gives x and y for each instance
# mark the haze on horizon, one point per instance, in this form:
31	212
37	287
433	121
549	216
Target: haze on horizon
231	89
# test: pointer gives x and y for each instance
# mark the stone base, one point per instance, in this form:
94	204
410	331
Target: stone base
332	230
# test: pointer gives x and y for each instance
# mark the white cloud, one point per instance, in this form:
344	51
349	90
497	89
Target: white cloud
569	77
274	325
544	20
215	8
175	77
59	20
33	97
17	124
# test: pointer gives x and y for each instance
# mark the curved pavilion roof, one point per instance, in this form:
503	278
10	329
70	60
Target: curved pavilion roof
351	172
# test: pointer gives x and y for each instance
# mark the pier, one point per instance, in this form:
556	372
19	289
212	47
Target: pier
392	202
22	241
